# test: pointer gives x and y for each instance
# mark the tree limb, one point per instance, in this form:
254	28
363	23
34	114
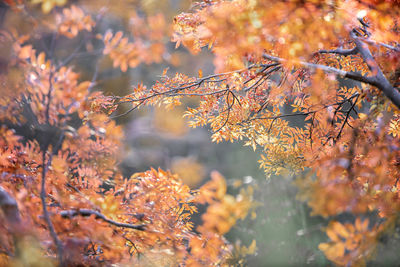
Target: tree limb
372	42
340	51
378	80
345	74
46	214
98	215
9	207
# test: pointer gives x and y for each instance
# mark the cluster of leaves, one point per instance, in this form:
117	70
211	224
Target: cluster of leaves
333	66
62	195
350	242
148	45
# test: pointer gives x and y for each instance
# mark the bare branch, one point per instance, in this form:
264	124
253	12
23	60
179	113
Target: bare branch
281	116
47	111
46	215
88	212
9	207
347	117
365	54
341	73
378	80
372	42
340	51
12	216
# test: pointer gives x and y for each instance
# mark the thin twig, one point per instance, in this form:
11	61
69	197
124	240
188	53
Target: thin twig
98	215
347	117
395	48
345	74
46	215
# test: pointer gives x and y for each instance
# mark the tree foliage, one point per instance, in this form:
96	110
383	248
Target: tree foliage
62	195
334	66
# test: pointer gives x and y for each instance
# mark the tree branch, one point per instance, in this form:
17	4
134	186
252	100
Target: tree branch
340	51
347	117
88	212
9	207
372	42
46	215
378	80
345	74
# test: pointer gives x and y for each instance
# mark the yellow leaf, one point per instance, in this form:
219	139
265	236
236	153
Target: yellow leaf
252	248
340	229
362	116
332	235
323	246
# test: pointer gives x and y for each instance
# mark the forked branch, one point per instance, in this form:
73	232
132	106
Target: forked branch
378	80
